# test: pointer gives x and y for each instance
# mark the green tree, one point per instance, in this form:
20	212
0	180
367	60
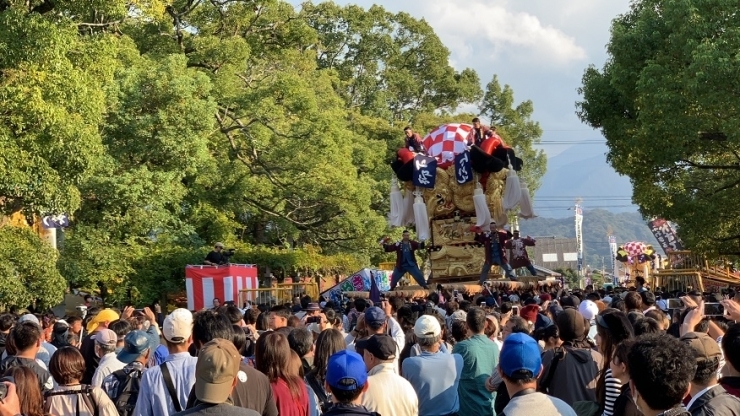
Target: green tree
665	102
390	66
514	124
50	110
27	270
570	277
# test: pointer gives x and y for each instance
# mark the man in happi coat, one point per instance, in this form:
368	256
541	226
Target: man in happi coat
519	256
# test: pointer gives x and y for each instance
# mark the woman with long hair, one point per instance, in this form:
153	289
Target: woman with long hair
273	358
612	328
330	342
27	388
72	398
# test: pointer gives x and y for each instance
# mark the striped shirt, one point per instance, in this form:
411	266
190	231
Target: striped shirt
613	388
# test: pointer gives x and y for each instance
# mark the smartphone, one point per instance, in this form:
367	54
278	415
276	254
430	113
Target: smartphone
714	309
675	304
515	310
454	293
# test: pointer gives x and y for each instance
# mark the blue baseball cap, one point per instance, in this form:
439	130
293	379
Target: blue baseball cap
135	345
346	371
520	357
374	317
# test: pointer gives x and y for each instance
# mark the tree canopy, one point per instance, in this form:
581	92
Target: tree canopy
162	127
666	102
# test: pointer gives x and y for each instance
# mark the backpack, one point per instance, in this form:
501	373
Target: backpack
127	392
87	397
315	384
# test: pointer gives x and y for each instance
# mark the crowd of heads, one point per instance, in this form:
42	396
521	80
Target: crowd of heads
638	339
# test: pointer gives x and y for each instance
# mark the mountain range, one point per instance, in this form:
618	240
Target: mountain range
597	225
581	172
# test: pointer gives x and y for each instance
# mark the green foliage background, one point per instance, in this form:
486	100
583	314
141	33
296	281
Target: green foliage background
162	127
666	101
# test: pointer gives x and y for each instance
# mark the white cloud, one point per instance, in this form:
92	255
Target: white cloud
481	30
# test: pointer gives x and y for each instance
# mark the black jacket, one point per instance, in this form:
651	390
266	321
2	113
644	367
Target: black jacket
45	380
341	409
223	409
3	340
624	406
716	402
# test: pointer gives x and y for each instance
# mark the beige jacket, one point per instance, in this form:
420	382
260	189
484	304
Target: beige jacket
66	404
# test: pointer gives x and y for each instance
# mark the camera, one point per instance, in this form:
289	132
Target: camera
228	253
3	387
313	319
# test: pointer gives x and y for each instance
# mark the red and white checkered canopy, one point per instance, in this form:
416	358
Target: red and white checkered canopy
447	140
635	248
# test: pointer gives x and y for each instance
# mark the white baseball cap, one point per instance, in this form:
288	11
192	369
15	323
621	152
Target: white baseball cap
427	326
588	309
178	326
29	317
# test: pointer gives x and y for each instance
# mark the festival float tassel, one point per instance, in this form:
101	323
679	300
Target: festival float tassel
526	209
421	218
513	191
482	213
395	218
407	214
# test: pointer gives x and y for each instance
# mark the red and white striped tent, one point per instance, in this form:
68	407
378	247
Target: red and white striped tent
204	283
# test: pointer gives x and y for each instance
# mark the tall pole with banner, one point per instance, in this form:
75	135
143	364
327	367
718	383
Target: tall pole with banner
579	239
613	253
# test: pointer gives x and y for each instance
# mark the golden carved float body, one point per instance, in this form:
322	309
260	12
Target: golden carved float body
454	254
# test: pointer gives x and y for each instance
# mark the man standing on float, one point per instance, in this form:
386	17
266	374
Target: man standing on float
405	259
519	256
494	242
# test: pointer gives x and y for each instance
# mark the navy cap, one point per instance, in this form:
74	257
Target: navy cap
134	345
346	371
520	357
374	317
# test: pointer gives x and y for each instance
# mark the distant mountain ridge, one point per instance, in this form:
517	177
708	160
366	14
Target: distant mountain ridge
626	227
582	171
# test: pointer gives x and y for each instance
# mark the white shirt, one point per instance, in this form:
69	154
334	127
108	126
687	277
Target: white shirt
699	394
108	365
390	394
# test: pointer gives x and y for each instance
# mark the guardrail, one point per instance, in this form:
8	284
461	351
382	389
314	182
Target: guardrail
679	280
281	294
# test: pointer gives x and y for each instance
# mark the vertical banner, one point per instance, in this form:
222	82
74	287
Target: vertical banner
425	171
203	283
613	252
463	168
666	235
